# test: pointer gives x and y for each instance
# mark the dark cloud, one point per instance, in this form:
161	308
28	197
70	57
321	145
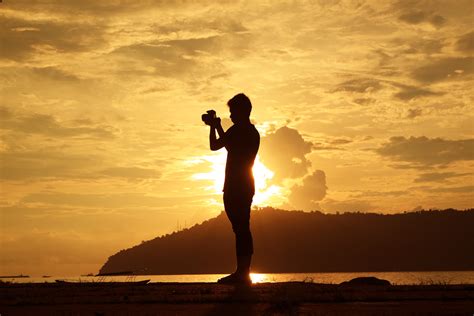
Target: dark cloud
227	25
438	176
414	17
418	16
410	92
177	57
423	151
466	43
444	69
462	189
437	20
364	101
54	73
49	249
312	190
110	200
131	172
50	163
283	152
340	141
46	163
365	85
412	113
97	8
22	38
359	85
48	125
423	46
405	166
321	146
372	194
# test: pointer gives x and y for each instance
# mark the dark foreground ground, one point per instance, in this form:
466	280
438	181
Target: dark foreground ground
293	298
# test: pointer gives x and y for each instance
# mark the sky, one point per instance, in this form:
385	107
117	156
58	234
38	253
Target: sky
361	106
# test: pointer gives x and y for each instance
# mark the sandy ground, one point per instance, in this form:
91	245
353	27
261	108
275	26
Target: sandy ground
294	298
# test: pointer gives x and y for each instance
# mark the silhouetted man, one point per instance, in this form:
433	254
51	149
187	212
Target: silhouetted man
241	141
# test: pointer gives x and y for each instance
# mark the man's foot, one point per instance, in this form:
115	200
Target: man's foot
236	278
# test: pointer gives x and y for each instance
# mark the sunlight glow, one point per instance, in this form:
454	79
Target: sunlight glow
257	277
261	174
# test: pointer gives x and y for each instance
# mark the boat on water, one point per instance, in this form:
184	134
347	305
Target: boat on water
13	276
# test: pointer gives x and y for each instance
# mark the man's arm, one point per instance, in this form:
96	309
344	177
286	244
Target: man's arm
214	142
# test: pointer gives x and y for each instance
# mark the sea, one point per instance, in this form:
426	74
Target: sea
397	278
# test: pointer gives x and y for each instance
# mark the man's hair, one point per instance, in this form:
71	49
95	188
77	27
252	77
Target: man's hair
240	103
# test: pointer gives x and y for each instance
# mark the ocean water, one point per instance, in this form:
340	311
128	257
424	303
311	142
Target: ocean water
400	278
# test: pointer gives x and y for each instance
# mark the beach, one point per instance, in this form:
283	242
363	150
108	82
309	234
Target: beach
289	298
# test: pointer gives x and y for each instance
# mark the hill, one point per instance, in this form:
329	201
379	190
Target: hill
295	241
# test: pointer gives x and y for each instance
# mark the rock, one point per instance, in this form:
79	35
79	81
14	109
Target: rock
366	281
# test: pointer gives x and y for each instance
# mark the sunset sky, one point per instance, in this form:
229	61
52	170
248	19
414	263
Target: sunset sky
361	106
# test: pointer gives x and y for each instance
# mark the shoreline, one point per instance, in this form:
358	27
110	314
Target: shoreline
207	298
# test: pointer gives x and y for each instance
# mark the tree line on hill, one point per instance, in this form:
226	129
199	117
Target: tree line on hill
296	241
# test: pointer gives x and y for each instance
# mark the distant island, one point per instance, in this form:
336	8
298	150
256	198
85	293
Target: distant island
296	241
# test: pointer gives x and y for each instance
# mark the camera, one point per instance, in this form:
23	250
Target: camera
208	117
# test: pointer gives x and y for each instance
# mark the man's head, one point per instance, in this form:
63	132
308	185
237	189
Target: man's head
240	108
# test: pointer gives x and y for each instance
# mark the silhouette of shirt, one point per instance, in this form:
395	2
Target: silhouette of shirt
242	142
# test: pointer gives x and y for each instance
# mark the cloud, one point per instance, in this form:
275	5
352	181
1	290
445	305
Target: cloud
364	101
379	194
50	248
116	200
418	16
51	163
444	69
412	113
466	43
131	172
437	20
283	152
209	25
340	141
172	50
320	146
173	58
22	38
438	176
46	163
48	125
413	17
312	190
55	73
423	151
367	85
332	144
461	189
410	92
423	46
96	8
359	85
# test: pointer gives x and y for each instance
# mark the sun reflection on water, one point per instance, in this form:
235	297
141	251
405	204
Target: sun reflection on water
258	277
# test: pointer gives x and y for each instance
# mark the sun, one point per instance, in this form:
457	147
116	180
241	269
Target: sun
262	175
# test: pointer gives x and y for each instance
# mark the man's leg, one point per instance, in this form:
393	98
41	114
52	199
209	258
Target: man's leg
237	207
243	239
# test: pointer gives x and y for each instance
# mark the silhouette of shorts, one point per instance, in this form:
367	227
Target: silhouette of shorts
237	207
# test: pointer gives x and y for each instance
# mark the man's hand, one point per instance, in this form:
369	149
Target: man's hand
216	143
216	122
